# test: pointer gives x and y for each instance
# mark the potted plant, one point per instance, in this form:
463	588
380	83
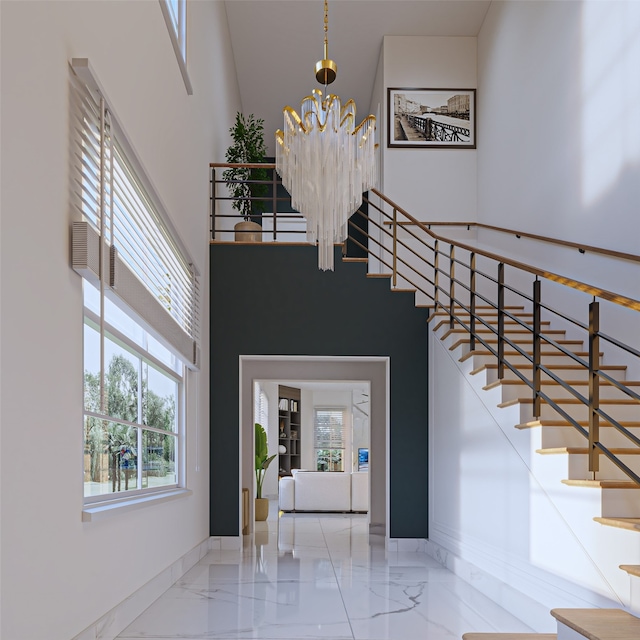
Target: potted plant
263	460
248	147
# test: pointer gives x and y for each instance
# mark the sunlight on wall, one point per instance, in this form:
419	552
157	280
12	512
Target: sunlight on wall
610	92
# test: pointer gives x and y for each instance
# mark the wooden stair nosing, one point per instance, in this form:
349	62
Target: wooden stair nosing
348	259
470	354
630	524
601	484
631	569
564	343
598	624
628	424
379	275
569	367
622	401
571	383
617	451
398	290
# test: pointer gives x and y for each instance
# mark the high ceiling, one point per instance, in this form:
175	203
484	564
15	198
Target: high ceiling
276	44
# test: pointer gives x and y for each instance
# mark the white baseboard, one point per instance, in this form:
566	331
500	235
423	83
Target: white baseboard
407	545
550	591
110	625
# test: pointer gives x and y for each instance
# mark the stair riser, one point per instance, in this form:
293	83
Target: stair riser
516	360
563	374
619	503
624	412
607	392
578	467
553	437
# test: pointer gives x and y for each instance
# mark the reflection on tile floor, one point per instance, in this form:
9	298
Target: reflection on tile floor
313	576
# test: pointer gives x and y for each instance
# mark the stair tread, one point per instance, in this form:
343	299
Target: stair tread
602	367
622	401
347	259
618	451
632	524
509	636
629	424
571	383
379	275
631	569
602	484
600	624
398	290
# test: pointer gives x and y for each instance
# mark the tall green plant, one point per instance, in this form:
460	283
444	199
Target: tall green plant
263	459
248	147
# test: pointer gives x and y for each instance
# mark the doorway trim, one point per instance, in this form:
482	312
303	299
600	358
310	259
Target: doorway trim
374	369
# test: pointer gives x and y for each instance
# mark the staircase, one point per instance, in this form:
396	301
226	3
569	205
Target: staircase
613	498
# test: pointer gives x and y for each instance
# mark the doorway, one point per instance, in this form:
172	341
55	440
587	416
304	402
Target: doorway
329	370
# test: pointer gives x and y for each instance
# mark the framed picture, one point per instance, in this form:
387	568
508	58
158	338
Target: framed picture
431	118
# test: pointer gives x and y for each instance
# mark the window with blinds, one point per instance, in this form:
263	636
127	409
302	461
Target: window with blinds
329	441
121	236
140	308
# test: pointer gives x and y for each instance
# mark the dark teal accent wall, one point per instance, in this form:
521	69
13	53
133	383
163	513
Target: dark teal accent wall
273	300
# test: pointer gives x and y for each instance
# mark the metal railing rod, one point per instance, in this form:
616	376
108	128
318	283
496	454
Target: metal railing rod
359	244
387	250
548	275
620	345
621	465
618	427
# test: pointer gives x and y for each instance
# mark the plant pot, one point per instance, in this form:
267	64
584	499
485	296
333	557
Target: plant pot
248	231
261	509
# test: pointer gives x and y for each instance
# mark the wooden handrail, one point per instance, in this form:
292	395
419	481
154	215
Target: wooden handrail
604	294
525	234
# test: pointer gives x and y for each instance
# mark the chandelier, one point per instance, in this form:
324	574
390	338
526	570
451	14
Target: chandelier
325	161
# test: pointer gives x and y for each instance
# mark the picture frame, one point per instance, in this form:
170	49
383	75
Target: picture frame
431	118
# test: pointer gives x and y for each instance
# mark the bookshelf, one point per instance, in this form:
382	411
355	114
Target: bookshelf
288	429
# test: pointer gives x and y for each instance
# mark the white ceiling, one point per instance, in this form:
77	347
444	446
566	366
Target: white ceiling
276	44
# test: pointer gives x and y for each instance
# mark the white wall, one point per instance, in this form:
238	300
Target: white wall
59	574
431	184
559	136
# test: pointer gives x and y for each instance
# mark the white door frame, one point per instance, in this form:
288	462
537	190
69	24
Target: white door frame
373	369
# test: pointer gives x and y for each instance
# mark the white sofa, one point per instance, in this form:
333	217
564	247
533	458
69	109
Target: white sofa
324	491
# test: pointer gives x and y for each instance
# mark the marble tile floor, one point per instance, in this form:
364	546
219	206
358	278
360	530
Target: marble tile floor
318	577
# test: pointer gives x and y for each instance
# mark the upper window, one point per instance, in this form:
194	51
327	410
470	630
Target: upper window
175	15
329	439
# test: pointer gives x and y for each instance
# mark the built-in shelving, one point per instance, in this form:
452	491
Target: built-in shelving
288	429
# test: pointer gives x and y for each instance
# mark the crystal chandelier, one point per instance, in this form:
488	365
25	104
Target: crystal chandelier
325	161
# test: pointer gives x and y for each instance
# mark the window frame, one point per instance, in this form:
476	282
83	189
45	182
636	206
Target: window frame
343	448
95	258
178	34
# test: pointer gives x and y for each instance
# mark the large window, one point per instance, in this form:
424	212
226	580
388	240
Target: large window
133	390
140	308
329	439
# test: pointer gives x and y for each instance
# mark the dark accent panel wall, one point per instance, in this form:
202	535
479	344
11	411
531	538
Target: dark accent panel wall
273	300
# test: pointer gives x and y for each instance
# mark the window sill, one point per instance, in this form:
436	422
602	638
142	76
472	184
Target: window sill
101	510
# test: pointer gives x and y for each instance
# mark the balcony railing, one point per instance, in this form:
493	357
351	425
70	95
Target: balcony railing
461	281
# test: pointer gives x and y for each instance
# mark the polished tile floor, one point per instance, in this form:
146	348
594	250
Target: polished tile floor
313	576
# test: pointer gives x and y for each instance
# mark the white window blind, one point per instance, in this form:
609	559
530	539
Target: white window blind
119	218
329	439
329	429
